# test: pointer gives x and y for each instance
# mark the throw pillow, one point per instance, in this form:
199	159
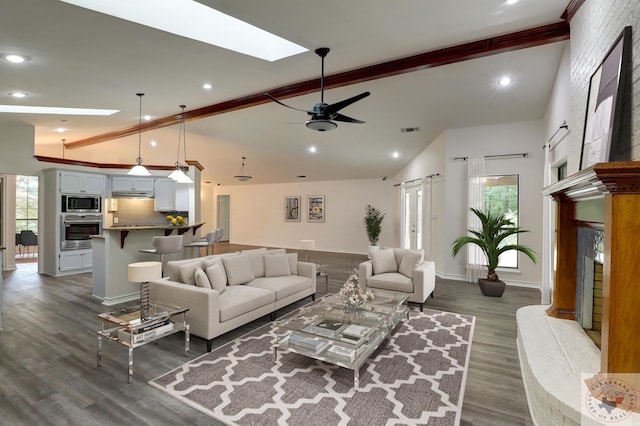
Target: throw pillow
215	261
257	262
173	267
201	279
238	269
217	277
293	263
188	272
277	265
383	261
409	263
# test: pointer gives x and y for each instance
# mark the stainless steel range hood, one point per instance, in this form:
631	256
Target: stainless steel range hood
133	194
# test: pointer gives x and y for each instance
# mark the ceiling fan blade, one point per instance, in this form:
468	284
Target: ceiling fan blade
340	117
285	105
334	108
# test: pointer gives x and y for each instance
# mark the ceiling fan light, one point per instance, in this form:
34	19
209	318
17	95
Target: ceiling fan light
321	125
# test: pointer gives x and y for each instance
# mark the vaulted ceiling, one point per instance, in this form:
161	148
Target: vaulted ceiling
80	58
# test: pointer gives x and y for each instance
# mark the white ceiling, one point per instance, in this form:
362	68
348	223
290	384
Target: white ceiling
81	58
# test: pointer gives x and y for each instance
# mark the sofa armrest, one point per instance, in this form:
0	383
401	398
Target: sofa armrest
308	269
365	271
203	304
424	280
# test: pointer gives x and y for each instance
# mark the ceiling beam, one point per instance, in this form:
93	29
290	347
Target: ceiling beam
571	9
551	33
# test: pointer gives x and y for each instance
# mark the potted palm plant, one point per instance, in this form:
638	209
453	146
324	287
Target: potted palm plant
491	240
373	224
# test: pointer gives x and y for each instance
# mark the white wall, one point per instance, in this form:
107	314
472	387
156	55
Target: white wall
559	111
257	214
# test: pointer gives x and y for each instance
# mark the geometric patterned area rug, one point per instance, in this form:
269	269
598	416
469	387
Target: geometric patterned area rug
418	378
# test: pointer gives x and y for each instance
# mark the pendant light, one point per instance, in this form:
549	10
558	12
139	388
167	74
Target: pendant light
178	174
139	169
242	177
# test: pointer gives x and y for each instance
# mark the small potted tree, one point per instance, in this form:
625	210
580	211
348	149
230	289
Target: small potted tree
373	225
491	240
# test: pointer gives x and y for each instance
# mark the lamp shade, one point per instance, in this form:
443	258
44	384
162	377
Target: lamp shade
143	272
307	244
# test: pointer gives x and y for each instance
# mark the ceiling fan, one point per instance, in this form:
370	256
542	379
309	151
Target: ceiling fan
323	115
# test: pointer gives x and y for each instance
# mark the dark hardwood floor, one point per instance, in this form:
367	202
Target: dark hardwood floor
48	373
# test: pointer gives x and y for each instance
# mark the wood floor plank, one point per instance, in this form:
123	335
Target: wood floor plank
48	353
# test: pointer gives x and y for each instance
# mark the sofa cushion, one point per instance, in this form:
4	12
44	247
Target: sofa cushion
276	265
239	299
201	279
282	287
400	252
383	261
256	258
188	272
238	269
393	281
409	263
207	263
173	268
217	277
293	263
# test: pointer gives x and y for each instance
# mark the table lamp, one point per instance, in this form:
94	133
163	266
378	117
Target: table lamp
143	272
307	245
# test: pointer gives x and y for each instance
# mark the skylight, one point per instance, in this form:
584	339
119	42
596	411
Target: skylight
18	109
188	18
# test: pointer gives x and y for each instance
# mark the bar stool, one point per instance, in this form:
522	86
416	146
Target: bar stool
165	245
206	242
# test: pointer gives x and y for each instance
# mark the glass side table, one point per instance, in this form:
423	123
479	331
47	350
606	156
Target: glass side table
125	327
321	272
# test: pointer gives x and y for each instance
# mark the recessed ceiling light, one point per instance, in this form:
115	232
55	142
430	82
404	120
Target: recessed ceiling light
194	20
153	143
396	154
16	59
505	81
61	130
17	109
147	117
312	149
207	86
512	1
18	94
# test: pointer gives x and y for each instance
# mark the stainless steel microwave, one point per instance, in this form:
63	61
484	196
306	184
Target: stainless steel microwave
81	204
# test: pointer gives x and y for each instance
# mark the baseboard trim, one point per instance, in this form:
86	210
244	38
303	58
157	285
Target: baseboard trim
117	300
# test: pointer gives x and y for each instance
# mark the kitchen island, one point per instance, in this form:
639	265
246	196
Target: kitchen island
119	246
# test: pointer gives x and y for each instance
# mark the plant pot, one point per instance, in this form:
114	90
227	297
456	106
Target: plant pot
491	288
372	248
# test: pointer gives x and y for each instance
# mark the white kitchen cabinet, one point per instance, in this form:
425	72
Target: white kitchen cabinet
171	196
81	183
126	183
75	260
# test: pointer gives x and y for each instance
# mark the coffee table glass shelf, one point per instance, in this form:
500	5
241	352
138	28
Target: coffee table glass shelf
326	332
124	326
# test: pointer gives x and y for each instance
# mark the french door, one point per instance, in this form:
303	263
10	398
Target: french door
416	208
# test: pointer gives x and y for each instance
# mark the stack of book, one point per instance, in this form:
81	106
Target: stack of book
145	333
325	328
307	343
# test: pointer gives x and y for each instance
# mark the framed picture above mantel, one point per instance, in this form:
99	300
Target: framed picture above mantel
604	103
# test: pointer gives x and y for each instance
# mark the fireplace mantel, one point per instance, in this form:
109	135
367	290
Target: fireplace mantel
617	184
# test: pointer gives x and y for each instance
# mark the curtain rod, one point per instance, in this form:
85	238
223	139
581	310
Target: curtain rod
431	176
522	154
565	126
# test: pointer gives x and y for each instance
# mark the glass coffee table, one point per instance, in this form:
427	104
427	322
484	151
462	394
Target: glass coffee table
124	326
326	332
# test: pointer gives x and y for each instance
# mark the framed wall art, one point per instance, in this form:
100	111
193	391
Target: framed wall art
315	208
604	103
292	209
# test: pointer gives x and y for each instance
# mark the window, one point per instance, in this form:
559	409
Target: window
562	172
501	197
26	203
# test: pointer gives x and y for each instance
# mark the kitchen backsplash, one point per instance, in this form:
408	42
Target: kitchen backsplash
133	211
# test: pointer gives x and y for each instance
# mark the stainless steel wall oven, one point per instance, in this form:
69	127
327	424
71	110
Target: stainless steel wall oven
76	230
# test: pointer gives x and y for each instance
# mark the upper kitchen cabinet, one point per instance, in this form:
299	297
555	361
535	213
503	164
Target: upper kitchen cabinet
137	184
171	196
81	183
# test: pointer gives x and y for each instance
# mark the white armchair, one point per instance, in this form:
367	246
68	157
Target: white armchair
400	270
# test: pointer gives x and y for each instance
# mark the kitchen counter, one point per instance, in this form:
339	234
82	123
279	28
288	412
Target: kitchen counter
111	257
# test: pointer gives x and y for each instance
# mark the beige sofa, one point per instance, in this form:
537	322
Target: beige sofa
239	288
400	270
